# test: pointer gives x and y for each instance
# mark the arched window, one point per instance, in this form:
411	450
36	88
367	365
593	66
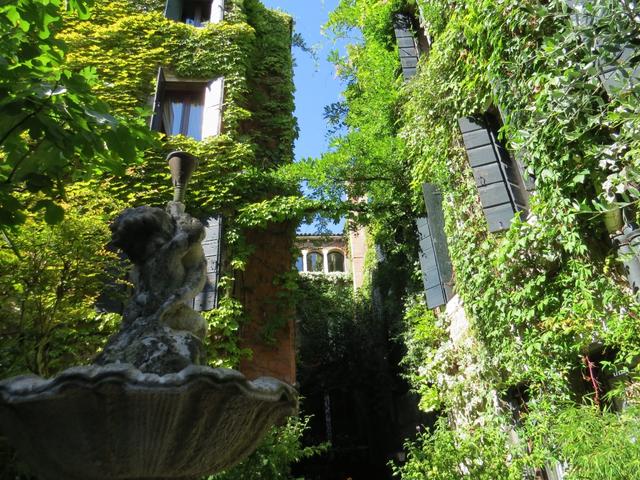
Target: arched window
336	262
314	262
300	264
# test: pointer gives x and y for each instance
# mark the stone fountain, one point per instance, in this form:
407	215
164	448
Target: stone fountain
149	407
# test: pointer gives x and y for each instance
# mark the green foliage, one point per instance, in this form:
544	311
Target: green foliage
541	295
273	459
53	129
484	453
50	277
612	452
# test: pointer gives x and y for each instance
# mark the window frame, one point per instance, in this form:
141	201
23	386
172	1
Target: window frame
212	103
342	255
309	265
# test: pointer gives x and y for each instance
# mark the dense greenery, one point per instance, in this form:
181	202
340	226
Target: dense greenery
118	48
76	77
544	297
274	458
53	130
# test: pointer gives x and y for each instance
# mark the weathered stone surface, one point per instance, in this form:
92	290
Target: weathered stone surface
115	422
145	410
160	331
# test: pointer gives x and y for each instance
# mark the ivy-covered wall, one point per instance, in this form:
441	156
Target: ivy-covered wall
551	318
126	41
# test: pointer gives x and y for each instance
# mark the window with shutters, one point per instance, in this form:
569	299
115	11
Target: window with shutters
188	107
195	12
500	185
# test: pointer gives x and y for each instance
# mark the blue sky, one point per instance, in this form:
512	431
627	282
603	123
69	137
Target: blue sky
316	83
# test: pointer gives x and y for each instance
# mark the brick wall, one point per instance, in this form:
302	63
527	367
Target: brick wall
257	290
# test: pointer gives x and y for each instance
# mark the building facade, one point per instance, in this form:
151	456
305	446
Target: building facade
504	122
217	76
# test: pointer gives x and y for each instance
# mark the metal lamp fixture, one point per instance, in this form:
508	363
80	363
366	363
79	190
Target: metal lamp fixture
182	165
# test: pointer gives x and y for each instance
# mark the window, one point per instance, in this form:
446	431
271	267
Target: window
300	264
182	112
314	262
195	12
188	107
336	262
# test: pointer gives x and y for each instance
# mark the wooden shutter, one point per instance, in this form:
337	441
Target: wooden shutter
208	298
212	114
628	244
617	72
156	118
173	10
217	11
407	46
437	273
498	180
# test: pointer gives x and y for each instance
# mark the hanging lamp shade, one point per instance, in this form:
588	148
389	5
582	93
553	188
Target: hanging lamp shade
182	165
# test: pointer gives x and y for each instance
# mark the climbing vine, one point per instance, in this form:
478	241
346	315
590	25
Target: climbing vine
542	297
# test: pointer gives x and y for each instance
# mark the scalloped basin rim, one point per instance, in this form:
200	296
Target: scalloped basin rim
25	386
114	422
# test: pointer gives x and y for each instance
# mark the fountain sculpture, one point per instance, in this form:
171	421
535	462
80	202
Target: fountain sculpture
148	408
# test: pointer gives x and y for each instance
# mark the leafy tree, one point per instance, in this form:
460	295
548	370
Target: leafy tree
53	129
273	459
50	277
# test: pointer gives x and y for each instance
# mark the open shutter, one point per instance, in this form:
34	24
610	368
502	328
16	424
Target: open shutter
437	273
208	298
173	10
217	11
156	118
407	46
498	180
617	71
628	244
212	114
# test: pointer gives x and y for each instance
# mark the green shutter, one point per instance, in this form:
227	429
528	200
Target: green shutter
208	298
497	177
173	10
407	46
156	118
437	272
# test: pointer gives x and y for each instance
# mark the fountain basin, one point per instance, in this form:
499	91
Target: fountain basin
115	422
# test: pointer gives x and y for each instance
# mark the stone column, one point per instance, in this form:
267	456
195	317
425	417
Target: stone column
305	252
325	260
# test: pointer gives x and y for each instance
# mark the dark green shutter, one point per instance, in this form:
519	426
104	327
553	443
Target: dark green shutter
437	273
173	10
619	69
407	47
208	298
156	118
497	177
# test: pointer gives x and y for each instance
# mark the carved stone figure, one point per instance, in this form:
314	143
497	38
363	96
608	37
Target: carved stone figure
148	407
160	331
